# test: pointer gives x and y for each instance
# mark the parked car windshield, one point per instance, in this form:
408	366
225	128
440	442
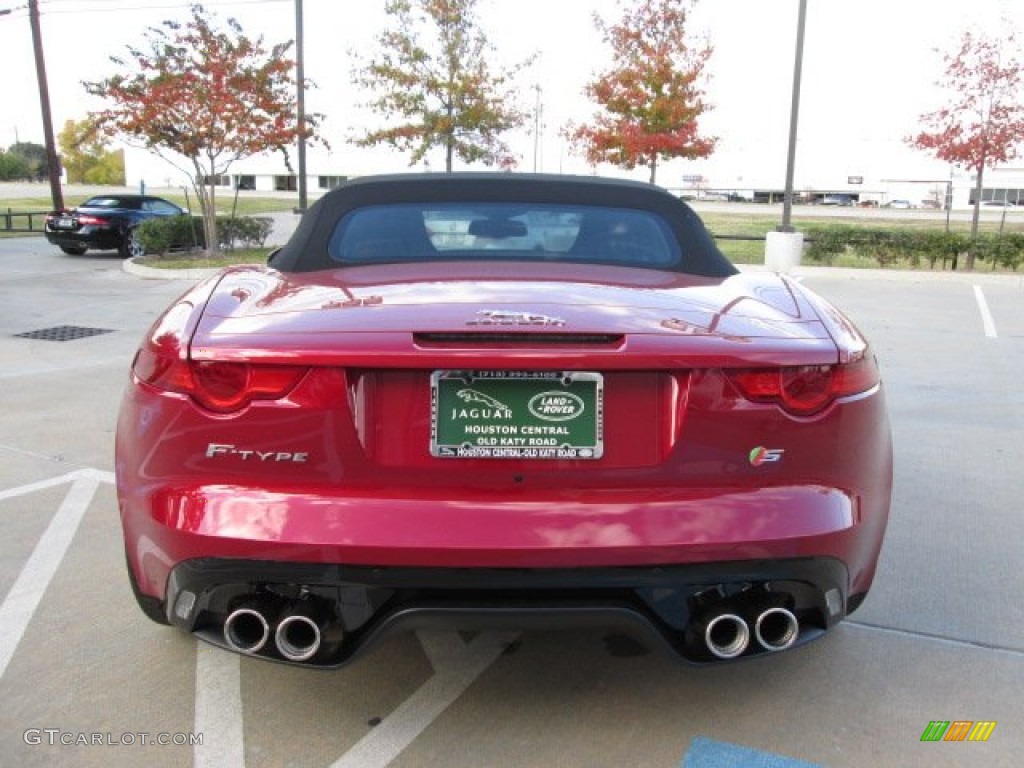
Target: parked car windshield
495	231
161	207
111	202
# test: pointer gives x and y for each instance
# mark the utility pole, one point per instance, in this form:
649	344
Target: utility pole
52	162
300	101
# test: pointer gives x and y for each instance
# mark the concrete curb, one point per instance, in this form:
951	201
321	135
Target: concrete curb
140	270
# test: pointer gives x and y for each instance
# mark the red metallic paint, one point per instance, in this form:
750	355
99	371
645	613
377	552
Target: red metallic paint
675	484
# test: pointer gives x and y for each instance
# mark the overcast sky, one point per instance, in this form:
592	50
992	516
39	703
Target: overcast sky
870	68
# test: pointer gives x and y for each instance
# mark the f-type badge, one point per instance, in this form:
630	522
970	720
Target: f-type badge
503	317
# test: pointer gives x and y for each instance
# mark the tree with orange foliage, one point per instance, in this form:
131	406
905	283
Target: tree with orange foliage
202	98
652	95
984	121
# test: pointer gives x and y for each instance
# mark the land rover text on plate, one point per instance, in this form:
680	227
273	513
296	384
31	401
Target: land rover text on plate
480	399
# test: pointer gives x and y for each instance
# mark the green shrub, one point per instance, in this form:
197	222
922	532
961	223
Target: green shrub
1000	250
165	234
826	243
829	243
1014	253
154	236
244	231
936	245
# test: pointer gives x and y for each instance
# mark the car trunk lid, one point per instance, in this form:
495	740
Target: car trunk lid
436	314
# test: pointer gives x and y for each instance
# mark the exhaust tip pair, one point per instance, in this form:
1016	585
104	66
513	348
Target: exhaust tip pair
297	636
727	635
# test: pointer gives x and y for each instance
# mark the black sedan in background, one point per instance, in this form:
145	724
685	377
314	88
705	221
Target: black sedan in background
106	223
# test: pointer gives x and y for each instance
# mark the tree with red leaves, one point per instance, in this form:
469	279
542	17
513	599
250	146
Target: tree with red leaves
652	95
433	83
202	98
984	121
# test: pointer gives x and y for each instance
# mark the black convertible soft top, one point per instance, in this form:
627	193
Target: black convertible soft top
308	250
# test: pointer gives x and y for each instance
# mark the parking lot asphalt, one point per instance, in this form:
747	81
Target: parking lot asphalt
940	638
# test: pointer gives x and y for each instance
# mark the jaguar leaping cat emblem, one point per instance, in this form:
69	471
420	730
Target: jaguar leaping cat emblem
472	396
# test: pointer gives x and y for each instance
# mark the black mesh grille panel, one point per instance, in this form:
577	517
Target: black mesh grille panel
63	333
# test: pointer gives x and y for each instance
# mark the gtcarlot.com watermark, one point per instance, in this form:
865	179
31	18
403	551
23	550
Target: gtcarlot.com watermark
55	737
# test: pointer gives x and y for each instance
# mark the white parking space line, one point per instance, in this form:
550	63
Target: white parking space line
24	597
42	485
456	665
986	316
218	709
220	718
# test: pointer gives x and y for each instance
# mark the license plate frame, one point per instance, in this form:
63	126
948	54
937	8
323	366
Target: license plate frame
537	415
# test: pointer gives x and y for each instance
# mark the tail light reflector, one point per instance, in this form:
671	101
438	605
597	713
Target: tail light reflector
807	389
222	387
226	387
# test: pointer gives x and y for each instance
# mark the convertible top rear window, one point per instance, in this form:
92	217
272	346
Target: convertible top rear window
432	231
501	217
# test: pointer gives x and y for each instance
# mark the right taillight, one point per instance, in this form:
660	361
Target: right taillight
219	386
805	390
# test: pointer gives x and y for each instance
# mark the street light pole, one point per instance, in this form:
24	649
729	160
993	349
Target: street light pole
787	206
52	162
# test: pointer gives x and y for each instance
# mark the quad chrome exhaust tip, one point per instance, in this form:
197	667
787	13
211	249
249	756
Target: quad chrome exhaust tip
298	637
246	630
726	635
776	629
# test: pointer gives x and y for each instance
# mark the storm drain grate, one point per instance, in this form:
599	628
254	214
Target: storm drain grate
63	333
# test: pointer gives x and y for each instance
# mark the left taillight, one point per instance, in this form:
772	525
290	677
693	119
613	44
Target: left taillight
229	386
806	390
219	386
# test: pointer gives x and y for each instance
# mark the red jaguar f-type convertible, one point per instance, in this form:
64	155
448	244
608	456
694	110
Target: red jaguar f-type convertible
500	399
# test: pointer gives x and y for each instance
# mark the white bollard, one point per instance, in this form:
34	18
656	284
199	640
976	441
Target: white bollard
782	250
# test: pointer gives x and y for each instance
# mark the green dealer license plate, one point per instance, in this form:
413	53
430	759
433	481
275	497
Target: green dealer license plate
517	414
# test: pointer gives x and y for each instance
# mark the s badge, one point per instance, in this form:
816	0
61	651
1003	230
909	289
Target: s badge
761	455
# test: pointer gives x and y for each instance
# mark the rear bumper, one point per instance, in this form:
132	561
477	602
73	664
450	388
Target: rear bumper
356	569
354	606
101	240
599	529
